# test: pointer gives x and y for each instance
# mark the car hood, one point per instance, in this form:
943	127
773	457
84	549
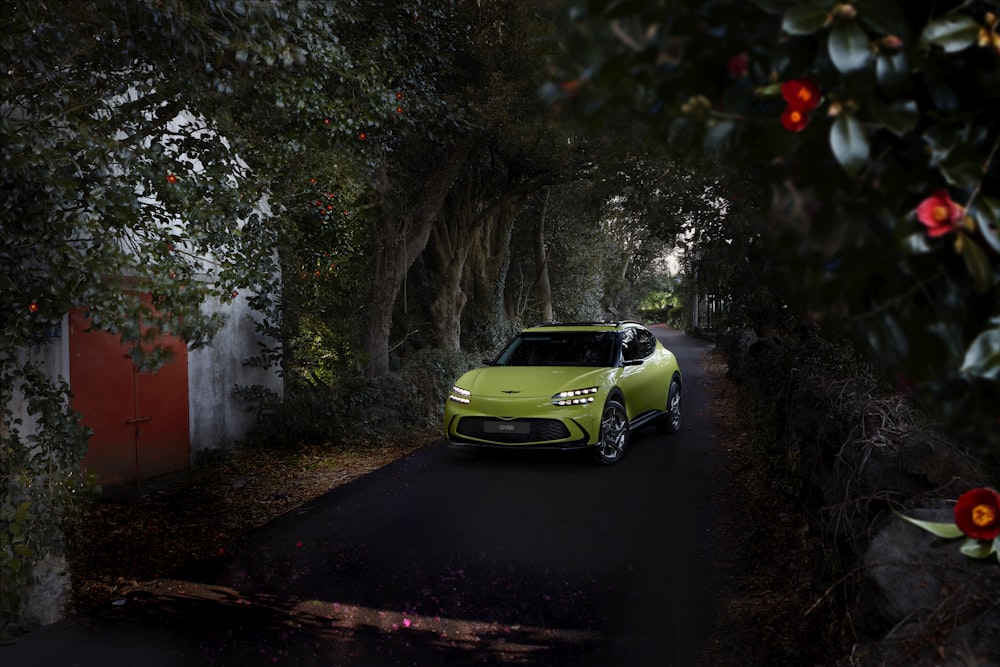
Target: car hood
531	381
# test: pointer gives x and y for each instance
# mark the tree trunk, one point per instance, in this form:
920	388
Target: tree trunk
399	240
694	303
452	237
489	260
469	250
470	241
544	287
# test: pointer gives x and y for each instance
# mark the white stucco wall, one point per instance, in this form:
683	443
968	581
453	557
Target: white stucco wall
219	419
52	356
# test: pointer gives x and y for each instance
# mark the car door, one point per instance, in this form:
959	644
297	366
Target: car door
642	378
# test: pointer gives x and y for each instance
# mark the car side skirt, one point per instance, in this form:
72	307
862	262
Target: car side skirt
647	419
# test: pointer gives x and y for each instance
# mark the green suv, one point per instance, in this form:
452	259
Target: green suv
567	387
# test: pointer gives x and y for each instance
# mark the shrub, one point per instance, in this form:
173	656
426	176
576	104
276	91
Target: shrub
411	397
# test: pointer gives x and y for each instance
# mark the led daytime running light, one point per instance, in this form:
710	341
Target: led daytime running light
460	395
574	397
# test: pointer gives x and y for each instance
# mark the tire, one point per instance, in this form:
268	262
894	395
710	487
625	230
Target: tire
614	436
671	422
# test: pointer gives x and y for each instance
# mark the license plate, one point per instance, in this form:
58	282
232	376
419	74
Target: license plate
507	428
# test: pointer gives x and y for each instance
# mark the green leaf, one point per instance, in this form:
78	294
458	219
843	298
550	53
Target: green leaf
883	16
963	166
719	138
939	88
849	47
893	72
987	216
978	548
978	265
899	118
849	143
804	19
791	57
946	530
983	356
774	6
952	33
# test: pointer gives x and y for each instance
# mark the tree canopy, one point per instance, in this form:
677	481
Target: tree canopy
871	130
418	175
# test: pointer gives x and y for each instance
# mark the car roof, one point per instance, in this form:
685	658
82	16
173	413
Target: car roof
581	326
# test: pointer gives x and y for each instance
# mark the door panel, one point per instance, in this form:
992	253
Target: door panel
164	440
140	420
103	383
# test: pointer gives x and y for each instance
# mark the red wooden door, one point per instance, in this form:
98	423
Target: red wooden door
140	420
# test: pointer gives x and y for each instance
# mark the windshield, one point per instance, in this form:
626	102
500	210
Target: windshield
561	348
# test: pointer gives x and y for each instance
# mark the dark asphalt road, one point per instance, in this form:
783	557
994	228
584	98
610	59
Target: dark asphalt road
434	560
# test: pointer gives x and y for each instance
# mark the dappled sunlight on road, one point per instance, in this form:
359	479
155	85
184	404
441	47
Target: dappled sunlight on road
509	642
263	628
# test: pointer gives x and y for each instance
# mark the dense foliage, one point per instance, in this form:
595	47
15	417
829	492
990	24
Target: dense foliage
871	128
174	148
102	154
393	162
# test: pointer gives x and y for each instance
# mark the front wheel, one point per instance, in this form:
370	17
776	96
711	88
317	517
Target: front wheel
671	423
614	433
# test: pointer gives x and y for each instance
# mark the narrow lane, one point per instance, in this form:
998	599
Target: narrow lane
434	560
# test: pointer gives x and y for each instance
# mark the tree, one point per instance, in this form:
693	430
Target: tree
873	127
544	293
512	150
105	152
138	139
404	226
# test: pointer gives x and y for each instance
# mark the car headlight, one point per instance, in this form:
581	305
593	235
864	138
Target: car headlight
460	395
575	397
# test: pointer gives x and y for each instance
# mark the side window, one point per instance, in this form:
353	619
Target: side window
630	346
647	343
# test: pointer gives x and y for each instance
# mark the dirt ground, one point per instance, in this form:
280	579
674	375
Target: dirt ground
775	611
142	533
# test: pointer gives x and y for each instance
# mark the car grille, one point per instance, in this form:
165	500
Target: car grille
541	430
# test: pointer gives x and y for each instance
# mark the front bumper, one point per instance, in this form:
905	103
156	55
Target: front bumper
543	426
459	446
562	430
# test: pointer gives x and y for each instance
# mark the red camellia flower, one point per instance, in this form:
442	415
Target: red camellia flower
794	120
171	178
801	94
977	514
939	214
32	307
738	65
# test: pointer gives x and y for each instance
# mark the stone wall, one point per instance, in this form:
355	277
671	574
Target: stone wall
861	456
